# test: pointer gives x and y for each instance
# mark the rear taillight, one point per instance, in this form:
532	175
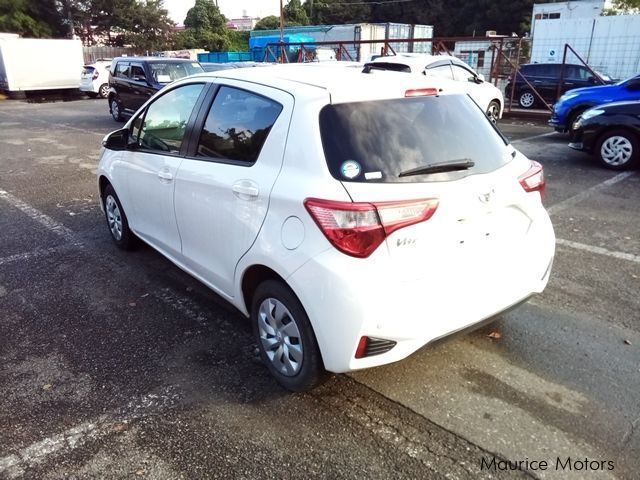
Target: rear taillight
96	74
533	179
421	92
358	228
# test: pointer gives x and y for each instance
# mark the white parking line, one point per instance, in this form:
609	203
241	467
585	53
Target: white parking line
526	139
569	202
598	250
35	214
15	465
38	252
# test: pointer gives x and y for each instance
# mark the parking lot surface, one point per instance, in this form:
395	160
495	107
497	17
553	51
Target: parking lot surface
116	364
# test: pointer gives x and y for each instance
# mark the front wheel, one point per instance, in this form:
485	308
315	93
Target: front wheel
527	99
493	111
117	221
116	110
618	150
285	338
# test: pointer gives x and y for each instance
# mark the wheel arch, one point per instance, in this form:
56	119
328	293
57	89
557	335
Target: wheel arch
253	276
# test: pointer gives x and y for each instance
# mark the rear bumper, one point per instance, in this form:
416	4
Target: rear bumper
347	298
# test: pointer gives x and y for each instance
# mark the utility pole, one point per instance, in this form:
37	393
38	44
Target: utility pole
281	22
311	10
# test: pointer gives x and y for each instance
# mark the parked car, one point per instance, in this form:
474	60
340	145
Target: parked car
94	80
354	218
486	95
611	133
573	103
133	80
545	78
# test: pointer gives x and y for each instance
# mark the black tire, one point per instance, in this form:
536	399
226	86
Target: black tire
127	239
116	109
527	99
493	111
626	143
311	371
103	91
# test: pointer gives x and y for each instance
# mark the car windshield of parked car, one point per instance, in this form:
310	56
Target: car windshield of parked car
170	72
376	141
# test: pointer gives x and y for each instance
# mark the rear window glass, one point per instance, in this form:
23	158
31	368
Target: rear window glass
376	141
166	72
88	71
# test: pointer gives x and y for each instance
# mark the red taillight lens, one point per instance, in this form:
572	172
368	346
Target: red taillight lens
421	92
96	74
533	179
358	228
362	347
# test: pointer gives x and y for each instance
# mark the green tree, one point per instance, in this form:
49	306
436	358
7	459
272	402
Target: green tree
205	27
295	14
32	18
268	23
149	27
627	5
328	12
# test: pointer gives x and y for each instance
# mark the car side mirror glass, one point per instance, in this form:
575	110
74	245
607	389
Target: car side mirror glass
118	140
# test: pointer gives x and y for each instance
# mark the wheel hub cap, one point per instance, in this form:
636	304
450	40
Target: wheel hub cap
280	337
616	150
114	218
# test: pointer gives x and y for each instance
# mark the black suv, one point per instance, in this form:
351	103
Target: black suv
545	78
132	80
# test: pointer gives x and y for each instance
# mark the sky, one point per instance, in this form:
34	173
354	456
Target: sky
230	8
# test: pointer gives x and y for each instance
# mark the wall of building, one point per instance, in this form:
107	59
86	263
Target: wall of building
566	11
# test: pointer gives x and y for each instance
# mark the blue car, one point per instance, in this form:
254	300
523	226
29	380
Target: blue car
574	102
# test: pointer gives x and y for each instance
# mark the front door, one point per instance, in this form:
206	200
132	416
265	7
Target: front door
223	187
153	165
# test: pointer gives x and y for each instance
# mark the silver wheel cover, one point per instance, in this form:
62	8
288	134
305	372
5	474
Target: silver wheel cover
616	150
114	217
280	337
527	99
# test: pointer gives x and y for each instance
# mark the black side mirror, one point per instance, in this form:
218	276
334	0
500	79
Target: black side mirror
118	140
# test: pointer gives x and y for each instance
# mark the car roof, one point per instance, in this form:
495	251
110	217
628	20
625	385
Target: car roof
344	83
414	58
153	59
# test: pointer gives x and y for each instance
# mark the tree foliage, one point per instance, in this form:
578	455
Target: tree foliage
627	5
268	23
295	14
205	27
32	18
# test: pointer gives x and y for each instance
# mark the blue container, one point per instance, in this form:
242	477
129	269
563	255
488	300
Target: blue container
225	57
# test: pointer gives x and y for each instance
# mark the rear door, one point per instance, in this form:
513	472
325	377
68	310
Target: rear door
484	222
223	187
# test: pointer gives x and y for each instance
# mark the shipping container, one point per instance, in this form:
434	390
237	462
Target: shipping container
28	64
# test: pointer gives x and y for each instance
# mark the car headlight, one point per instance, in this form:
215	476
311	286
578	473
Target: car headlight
594	112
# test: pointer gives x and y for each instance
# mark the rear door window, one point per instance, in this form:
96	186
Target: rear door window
376	141
237	125
462	74
137	73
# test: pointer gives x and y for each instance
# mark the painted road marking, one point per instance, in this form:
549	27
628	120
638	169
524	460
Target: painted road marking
598	250
38	252
542	135
562	205
42	218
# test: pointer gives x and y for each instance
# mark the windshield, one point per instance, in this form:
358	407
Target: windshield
169	72
636	77
378	140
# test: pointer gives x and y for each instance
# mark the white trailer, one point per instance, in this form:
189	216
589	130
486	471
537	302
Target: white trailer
28	64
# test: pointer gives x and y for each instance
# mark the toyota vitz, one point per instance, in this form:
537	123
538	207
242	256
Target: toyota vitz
353	218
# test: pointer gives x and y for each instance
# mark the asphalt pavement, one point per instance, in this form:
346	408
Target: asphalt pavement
116	364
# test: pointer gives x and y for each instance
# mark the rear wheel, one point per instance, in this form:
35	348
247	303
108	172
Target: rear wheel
618	150
116	110
103	91
285	338
526	99
493	111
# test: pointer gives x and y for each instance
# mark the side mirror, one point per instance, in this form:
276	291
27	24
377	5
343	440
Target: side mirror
118	140
480	78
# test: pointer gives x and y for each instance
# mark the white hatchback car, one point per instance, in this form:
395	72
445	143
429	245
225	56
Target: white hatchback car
353	218
485	94
94	80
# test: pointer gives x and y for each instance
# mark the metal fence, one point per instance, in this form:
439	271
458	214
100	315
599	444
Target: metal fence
92	54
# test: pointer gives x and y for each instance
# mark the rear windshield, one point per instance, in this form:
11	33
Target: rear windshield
376	141
88	70
168	72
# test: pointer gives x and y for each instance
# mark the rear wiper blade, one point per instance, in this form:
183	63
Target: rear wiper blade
451	166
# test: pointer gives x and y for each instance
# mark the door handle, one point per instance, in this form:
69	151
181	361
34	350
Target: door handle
165	176
245	189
